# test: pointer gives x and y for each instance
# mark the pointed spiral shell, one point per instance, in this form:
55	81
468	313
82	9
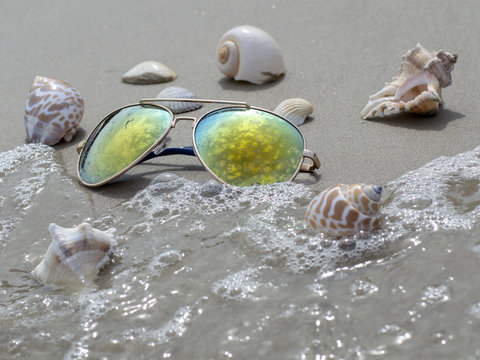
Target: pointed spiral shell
53	111
346	209
247	53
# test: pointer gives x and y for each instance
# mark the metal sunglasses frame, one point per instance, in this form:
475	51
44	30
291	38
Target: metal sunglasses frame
159	147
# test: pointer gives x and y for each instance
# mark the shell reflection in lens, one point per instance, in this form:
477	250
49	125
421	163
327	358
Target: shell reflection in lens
246	146
120	140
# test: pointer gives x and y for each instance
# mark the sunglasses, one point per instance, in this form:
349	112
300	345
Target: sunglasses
238	144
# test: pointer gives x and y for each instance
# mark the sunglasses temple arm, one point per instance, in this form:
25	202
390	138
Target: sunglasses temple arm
310	167
186	150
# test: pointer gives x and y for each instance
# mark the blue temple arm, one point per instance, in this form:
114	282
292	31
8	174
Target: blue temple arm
186	150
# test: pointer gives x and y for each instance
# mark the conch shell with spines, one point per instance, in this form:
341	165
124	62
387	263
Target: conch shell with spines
346	209
418	86
248	53
75	255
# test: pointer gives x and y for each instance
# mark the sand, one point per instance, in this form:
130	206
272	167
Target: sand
336	55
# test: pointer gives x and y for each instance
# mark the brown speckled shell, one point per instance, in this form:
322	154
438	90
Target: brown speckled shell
53	111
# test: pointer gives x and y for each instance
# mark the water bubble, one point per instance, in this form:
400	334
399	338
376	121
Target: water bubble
211	188
397	334
165	177
362	288
440	337
475	310
435	294
415	202
169	258
238	286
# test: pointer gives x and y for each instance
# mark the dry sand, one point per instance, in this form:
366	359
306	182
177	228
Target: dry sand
336	54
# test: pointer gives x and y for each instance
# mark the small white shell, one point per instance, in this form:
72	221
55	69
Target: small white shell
346	209
247	53
53	111
177	92
295	110
149	72
75	255
417	88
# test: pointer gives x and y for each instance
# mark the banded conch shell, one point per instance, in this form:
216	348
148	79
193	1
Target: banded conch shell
149	72
418	86
53	111
75	255
295	110
177	92
247	53
346	209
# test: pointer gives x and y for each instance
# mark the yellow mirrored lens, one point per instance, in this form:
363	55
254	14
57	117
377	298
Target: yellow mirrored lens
244	146
120	140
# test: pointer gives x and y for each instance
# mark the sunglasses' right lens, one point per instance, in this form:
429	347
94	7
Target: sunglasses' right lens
246	146
121	139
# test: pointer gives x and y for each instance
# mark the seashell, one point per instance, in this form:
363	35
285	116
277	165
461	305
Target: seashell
149	72
346	209
75	255
178	92
247	53
53	111
418	86
294	110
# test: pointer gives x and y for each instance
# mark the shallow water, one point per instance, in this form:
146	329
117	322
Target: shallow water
208	271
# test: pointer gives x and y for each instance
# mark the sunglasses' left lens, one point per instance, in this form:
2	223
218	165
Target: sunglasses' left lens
121	139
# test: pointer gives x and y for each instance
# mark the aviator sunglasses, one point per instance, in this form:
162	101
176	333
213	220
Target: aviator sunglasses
238	144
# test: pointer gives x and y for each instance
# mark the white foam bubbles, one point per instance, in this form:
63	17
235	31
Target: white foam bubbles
241	285
269	220
23	174
435	294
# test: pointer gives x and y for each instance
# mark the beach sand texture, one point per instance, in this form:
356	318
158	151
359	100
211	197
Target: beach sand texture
336	54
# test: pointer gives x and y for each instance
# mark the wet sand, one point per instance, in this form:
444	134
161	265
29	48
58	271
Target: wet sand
336	55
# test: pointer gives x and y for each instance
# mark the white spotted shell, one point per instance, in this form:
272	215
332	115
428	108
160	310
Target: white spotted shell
417	88
177	92
295	110
53	111
75	255
346	209
247	53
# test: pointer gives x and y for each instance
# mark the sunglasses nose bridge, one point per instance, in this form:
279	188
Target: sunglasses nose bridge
178	118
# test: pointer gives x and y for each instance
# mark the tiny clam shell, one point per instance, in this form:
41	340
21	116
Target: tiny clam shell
295	110
248	53
75	255
177	92
149	72
53	111
346	209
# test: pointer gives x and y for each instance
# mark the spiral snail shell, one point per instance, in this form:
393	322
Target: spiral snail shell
247	53
53	111
346	209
